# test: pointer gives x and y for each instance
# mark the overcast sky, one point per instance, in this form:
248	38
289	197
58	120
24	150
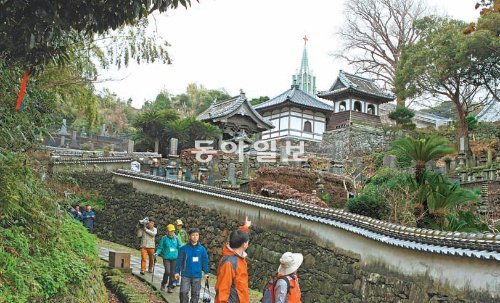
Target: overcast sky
254	45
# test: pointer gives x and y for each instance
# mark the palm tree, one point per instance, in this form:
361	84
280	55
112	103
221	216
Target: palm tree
442	198
422	150
153	123
189	129
444	195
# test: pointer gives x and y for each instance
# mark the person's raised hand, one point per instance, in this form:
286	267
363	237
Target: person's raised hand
247	222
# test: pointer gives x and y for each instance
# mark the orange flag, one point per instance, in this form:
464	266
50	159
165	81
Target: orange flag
22	90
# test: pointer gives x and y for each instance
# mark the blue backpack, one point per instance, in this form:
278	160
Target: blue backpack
268	291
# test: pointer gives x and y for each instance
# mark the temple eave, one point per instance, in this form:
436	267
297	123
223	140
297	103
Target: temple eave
351	92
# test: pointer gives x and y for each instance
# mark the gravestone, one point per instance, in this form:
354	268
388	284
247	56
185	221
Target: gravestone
489	157
440	170
103	130
431	165
453	165
246	165
202	175
157	146
210	174
389	161
63	132
231	172
83	133
63	139
74	142
462	145
172	150
283	156
338	150
337	169
135	166
171	171
130	147
187	175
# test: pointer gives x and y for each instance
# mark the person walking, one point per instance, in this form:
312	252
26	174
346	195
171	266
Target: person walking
88	218
287	289
148	245
182	235
75	212
180	232
168	250
232	274
191	261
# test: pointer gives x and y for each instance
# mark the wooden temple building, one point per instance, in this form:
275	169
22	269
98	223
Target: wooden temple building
236	118
356	100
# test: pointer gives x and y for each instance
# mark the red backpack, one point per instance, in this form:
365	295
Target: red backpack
268	291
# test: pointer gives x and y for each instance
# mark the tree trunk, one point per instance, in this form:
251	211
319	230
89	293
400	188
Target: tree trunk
462	128
419	172
422	209
400	102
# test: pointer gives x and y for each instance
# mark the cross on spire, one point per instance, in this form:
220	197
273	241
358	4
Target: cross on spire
305	39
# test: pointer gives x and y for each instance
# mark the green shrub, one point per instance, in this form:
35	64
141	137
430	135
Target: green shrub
326	197
464	221
369	206
378	159
97	203
388	178
45	255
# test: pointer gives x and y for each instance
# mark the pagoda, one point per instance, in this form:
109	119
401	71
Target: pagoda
356	100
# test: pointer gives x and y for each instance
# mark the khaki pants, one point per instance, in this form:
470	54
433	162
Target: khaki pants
145	252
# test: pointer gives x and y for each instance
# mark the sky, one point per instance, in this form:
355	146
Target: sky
253	45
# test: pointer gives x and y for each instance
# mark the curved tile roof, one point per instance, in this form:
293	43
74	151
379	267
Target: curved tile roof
230	106
296	96
474	245
346	82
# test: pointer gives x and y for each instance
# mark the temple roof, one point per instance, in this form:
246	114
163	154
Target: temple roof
295	96
349	83
220	111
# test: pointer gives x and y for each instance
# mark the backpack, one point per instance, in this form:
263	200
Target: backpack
233	260
268	291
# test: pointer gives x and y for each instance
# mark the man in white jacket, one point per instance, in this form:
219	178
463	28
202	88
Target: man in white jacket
148	245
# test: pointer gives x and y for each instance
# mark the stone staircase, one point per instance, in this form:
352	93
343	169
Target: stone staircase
483	207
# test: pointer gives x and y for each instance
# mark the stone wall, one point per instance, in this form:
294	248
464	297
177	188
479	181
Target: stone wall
494	199
327	275
354	141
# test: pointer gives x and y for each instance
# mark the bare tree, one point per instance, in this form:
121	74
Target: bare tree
374	34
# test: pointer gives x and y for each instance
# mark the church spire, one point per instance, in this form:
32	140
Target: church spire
303	79
304	64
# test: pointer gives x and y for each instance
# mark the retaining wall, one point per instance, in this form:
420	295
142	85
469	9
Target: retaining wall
339	266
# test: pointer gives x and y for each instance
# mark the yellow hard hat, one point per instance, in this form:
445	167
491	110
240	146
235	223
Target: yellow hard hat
178	222
170	227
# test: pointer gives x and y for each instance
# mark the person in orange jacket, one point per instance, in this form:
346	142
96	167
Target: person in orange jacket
232	274
288	292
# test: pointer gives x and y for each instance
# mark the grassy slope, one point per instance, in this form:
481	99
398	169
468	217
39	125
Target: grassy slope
45	255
